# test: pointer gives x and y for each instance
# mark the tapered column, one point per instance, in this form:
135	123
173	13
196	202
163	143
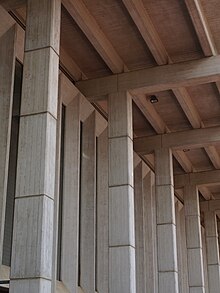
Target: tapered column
31	268
7	59
193	239
212	251
166	224
121	196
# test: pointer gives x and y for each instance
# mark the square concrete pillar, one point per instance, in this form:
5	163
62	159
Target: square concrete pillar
213	262
166	224
140	255
121	196
31	268
193	239
7	59
181	248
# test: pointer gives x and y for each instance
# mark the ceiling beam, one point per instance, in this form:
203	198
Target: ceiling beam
201	26
70	66
206	178
213	156
146	28
194	138
206	193
155	79
160	127
95	35
188	107
192	114
183	160
211	205
12	4
150	113
143	22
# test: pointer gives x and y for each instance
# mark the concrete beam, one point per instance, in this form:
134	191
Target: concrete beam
155	79
198	178
194	138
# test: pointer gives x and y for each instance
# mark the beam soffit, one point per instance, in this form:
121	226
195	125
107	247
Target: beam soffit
155	79
194	138
198	178
94	33
12	4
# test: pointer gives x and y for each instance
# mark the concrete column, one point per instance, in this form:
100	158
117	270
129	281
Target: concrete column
57	195
102	213
139	228
181	248
149	230
204	258
166	224
31	269
193	239
7	67
121	196
212	251
71	188
87	251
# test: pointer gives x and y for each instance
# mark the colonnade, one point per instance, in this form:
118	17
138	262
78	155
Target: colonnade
123	229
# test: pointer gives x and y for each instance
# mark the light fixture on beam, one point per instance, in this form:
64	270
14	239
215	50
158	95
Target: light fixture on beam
186	150
153	99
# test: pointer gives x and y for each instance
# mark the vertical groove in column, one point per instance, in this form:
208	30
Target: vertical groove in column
121	195
193	237
166	224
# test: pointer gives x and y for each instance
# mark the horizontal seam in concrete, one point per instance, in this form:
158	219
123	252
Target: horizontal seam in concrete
119	185
120	136
170	271
194	248
196	286
163	224
41	48
33	195
38	113
193	216
121	246
29	278
169	184
167	223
